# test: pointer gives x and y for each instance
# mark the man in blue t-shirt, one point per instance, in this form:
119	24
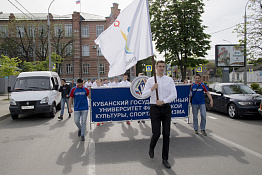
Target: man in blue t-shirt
198	103
79	93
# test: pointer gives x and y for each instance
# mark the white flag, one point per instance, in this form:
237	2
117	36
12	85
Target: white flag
128	39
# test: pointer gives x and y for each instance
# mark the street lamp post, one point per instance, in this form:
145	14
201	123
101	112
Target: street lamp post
245	44
49	45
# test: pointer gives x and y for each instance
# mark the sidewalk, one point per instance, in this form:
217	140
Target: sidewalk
4	105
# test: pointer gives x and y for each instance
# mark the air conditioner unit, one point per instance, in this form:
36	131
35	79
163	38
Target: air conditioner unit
94	47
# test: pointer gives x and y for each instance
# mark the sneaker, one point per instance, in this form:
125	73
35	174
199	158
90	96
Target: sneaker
69	115
196	131
143	121
83	138
102	123
98	124
204	132
128	122
138	121
79	133
60	118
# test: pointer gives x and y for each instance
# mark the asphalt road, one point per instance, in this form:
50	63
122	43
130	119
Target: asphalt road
38	145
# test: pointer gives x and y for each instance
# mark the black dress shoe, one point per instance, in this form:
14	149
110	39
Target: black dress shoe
151	153
166	164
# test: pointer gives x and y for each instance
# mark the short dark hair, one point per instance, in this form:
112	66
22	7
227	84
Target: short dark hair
63	80
79	80
159	61
198	75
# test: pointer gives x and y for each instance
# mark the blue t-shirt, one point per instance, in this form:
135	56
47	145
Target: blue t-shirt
80	98
199	97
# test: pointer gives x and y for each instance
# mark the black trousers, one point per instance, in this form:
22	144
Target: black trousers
158	115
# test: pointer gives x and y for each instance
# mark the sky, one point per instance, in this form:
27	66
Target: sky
218	16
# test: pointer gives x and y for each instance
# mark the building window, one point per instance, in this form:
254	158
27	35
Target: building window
99	53
69	50
85	31
85	50
86	68
31	30
42	31
102	68
58	30
69	69
42	49
3	31
99	30
20	31
21	52
68	30
31	52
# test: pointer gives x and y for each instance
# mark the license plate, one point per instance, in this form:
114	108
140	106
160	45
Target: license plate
27	107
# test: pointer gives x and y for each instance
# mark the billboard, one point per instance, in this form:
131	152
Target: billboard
229	55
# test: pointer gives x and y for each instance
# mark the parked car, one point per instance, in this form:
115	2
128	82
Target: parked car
35	92
235	99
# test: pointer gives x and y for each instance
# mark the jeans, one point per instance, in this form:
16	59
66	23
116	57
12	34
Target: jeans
195	109
63	101
81	126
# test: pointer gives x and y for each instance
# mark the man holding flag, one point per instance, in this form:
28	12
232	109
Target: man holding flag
127	41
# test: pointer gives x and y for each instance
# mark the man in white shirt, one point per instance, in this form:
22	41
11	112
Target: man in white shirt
160	110
116	83
111	82
125	82
88	84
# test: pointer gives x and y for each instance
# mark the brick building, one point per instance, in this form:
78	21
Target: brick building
72	37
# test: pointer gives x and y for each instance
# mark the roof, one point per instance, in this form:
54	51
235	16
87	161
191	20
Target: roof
43	16
37	74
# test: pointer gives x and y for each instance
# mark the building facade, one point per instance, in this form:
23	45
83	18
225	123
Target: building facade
72	36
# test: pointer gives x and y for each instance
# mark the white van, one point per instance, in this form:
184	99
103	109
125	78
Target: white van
35	92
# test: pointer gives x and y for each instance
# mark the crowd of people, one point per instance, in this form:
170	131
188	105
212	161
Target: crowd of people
161	95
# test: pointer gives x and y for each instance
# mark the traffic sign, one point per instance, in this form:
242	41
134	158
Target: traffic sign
199	69
149	68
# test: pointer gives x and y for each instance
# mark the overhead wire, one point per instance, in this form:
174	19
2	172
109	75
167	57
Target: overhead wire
26	10
223	30
19	9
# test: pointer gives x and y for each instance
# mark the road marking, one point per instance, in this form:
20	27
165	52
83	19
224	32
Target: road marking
91	157
238	146
212	117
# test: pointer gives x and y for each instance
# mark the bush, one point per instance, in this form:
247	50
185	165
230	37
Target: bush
259	91
255	86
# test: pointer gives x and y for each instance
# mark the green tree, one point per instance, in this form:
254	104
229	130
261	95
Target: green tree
177	29
8	67
141	65
42	65
253	28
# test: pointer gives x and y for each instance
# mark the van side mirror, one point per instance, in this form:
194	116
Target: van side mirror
9	89
56	87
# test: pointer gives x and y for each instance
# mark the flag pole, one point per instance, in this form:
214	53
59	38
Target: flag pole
153	60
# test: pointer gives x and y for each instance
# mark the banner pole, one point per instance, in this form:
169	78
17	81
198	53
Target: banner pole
153	60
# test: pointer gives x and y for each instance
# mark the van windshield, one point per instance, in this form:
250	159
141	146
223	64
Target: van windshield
32	84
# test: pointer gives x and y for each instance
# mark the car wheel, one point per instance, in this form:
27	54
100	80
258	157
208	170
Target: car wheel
14	116
53	112
232	111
